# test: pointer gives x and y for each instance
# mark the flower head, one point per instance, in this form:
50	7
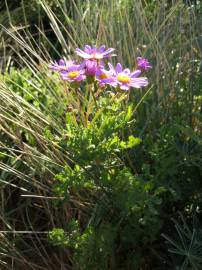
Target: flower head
91	66
126	79
93	53
104	77
143	63
74	73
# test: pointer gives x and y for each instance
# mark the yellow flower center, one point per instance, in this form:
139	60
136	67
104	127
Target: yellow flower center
103	76
73	74
123	78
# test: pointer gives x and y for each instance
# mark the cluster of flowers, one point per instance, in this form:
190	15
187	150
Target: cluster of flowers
93	66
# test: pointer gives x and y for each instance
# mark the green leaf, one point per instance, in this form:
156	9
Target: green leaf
133	141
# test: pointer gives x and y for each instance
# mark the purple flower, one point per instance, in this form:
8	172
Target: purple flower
105	77
93	53
74	73
91	66
61	65
143	63
126	79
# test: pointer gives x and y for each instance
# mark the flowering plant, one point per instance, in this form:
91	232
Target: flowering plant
93	67
98	135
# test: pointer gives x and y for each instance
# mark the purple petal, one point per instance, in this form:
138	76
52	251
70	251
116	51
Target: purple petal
101	49
61	62
135	73
83	64
64	76
101	84
112	83
118	68
126	71
99	72
125	86
74	68
111	68
94	49
82	53
81	77
108	51
54	66
101	65
63	73
87	49
139	82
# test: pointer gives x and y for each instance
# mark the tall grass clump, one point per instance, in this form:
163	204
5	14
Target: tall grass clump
93	178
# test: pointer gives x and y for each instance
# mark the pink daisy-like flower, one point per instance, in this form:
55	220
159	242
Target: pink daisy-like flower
93	53
126	79
61	65
143	63
74	73
105	77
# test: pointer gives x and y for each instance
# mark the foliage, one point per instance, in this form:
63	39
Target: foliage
116	206
188	245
